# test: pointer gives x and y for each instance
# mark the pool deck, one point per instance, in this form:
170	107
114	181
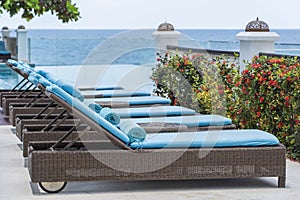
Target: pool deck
15	182
4	120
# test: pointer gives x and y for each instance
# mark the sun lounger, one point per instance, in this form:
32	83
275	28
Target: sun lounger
168	111
24	70
170	156
130	112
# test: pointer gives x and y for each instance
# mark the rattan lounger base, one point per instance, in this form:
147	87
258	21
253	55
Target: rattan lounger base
7	102
161	164
20	124
35	136
29	94
33	112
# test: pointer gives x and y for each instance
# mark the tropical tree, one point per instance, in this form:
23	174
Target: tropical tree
65	10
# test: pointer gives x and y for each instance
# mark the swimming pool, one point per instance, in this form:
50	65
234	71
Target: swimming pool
8	78
131	77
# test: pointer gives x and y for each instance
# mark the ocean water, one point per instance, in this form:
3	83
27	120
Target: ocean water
133	47
73	47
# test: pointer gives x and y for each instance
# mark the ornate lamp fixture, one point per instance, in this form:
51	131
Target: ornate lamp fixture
257	26
165	27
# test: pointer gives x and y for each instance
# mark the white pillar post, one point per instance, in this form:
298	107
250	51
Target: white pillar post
164	36
22	44
251	43
256	38
5	32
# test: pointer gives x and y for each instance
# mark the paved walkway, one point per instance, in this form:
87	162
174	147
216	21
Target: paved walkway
15	183
4	120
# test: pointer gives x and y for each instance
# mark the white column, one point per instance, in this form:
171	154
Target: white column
5	32
251	43
22	44
165	38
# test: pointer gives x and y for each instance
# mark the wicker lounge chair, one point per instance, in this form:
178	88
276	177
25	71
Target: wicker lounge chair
172	156
132	112
12	106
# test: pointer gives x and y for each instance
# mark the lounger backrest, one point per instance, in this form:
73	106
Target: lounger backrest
66	86
38	79
13	62
88	112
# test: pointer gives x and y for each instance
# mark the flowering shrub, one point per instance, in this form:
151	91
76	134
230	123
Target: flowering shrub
266	95
196	81
269	99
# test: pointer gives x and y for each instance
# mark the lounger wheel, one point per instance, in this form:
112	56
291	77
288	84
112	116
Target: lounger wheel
52	187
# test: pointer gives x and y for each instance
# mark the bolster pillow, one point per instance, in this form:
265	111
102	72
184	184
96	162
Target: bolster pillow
133	130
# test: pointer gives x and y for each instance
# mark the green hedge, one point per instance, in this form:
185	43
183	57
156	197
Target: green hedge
269	92
266	95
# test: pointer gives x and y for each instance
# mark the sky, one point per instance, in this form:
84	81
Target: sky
183	14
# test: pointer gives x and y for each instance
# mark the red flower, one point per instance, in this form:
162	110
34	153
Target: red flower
255	66
185	60
258	114
282	66
175	102
244	89
245	72
272	83
280	125
261	99
274	60
287	98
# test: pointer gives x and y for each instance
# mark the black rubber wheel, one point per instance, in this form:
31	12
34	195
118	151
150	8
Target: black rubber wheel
52	187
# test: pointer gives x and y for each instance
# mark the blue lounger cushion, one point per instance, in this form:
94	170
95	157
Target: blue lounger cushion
190	121
66	86
133	130
70	88
27	68
12	62
132	101
154	111
21	66
4	52
88	112
44	82
33	80
224	138
116	93
49	76
109	87
38	79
